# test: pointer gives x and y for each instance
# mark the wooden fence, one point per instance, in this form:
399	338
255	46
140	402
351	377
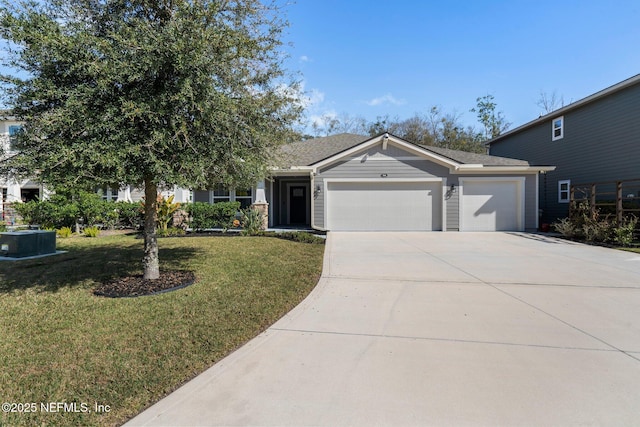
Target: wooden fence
621	198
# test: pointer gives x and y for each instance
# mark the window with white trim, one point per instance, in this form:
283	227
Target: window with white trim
557	131
110	194
13	132
221	194
564	191
244	197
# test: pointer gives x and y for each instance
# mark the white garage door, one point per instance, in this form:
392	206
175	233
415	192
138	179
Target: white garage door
384	206
491	205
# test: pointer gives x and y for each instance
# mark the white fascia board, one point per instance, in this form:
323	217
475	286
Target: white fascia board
567	108
294	170
412	148
503	169
470	166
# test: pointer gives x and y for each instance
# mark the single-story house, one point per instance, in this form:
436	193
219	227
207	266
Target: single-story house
355	182
352	182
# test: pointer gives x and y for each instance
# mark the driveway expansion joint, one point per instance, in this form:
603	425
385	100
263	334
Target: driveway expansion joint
452	340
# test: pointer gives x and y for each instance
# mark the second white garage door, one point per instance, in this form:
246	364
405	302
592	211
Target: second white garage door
384	206
492	204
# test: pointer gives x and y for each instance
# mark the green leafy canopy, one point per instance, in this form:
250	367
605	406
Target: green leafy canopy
167	92
120	92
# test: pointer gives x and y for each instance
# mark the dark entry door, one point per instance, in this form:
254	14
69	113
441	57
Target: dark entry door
297	204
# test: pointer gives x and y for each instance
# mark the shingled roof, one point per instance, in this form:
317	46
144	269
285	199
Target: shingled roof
311	151
465	157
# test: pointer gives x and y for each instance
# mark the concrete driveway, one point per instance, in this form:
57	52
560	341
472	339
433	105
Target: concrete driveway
416	329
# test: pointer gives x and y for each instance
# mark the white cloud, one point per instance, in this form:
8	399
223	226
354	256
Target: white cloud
306	99
315	97
386	99
305	58
309	98
321	120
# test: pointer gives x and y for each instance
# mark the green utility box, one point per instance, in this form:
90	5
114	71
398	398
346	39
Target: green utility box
20	244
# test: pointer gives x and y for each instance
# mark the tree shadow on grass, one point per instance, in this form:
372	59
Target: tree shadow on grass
85	266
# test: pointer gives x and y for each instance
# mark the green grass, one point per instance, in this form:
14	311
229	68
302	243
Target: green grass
59	342
635	249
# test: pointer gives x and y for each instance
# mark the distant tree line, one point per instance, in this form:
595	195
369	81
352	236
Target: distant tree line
434	127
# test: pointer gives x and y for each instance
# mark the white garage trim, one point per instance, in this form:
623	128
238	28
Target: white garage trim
519	202
437	199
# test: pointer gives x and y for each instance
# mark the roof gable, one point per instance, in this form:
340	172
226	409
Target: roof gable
385	139
317	153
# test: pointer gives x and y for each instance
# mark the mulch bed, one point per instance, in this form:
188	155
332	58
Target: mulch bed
136	286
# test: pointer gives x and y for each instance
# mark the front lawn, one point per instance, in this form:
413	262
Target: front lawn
636	249
60	343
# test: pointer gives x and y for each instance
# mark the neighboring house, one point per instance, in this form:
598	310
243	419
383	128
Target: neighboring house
132	194
594	140
12	190
351	182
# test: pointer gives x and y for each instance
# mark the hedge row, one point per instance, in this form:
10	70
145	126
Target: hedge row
86	208
89	209
218	215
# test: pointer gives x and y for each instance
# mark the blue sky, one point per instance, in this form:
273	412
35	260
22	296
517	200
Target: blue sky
374	58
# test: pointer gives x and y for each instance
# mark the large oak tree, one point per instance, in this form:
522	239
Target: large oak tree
150	93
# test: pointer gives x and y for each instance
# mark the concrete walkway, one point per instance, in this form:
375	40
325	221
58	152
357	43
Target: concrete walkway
417	329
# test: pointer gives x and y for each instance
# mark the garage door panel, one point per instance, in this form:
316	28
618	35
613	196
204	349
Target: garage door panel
383	206
491	206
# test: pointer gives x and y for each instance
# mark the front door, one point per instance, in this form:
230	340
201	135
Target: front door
297	204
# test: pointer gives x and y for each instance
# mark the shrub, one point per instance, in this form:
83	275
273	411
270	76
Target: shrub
93	210
54	213
170	232
597	230
565	227
592	227
130	214
165	209
26	211
301	236
218	215
88	208
3	226
91	231
251	222
64	232
623	234
64	212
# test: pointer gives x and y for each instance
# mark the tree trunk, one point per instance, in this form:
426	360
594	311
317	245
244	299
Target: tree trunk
150	261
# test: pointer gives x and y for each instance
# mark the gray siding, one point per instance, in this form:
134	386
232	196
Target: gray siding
530	213
405	165
318	205
601	143
453	207
395	162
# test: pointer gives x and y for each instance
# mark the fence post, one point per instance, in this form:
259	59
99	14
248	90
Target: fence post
572	200
593	201
619	207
